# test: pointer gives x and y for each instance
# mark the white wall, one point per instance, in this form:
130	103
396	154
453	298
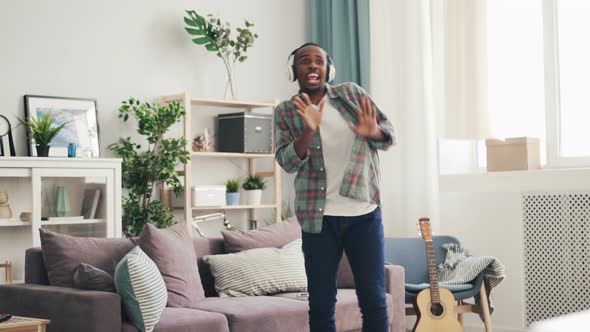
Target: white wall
485	212
112	50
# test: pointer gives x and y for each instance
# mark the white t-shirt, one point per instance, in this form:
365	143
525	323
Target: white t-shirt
337	141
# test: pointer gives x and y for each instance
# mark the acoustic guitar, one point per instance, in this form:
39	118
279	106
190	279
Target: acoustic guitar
434	307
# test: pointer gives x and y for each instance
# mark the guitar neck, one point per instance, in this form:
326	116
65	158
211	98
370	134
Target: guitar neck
432	274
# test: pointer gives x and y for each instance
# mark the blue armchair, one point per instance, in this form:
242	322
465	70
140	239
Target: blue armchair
411	254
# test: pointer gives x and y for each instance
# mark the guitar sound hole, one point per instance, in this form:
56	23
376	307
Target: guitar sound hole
437	309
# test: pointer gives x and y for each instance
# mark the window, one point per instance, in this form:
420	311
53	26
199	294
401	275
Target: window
515	70
567	65
538	82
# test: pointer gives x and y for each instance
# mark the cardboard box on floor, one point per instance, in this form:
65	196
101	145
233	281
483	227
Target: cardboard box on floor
513	154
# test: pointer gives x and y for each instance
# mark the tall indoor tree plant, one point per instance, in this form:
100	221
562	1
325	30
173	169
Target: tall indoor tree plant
217	37
144	170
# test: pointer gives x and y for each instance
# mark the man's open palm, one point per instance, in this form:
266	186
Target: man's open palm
367	120
309	113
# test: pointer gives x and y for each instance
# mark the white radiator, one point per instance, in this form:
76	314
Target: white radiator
556	254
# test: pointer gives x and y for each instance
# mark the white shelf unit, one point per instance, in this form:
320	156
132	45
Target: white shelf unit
13	222
31	182
192	105
33	171
72	222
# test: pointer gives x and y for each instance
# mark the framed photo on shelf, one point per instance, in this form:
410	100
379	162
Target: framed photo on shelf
81	130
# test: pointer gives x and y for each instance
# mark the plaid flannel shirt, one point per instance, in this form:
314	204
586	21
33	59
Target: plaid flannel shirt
361	178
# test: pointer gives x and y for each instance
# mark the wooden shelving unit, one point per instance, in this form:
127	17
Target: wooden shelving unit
192	105
235	207
231	155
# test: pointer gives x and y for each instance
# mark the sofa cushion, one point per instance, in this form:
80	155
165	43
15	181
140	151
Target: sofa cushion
63	253
204	247
259	271
260	313
190	320
275	235
141	288
173	252
89	277
186	320
348	314
35	271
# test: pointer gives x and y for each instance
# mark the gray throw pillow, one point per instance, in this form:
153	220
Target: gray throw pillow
63	253
275	235
172	251
90	278
260	271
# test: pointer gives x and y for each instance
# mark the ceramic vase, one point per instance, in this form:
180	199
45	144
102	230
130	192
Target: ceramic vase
62	207
232	198
253	197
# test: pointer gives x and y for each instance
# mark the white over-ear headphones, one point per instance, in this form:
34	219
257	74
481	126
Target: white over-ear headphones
331	71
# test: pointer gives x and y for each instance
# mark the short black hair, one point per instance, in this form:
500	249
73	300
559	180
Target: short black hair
294	53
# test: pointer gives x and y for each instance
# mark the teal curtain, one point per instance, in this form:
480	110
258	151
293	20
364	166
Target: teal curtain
341	27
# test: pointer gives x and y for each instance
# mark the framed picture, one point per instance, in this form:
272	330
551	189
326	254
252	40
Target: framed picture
81	130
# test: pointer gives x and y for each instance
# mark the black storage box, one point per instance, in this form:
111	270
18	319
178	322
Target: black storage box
244	132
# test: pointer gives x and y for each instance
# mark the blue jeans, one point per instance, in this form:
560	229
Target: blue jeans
361	238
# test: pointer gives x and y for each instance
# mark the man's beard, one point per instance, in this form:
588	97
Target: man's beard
314	90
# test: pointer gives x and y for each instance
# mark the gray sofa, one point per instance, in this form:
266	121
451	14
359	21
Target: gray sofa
93	311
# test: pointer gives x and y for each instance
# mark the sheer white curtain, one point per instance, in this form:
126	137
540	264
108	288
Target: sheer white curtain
402	85
427	77
464	81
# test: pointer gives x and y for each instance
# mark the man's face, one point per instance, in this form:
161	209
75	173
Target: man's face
310	68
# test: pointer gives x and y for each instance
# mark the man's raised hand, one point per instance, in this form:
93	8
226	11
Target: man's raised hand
367	121
308	112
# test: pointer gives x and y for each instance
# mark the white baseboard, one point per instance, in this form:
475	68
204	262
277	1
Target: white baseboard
481	328
474	328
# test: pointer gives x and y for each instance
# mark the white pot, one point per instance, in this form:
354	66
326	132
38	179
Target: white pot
253	197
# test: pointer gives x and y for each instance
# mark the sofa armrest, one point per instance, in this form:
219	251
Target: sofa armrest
395	285
68	309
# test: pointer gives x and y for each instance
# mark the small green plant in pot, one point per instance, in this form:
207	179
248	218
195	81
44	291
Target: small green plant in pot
232	194
254	184
42	132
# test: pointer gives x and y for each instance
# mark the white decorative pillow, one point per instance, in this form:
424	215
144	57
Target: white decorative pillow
141	287
259	271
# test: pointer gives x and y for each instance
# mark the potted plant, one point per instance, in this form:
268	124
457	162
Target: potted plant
232	194
216	36
254	184
145	169
42	132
